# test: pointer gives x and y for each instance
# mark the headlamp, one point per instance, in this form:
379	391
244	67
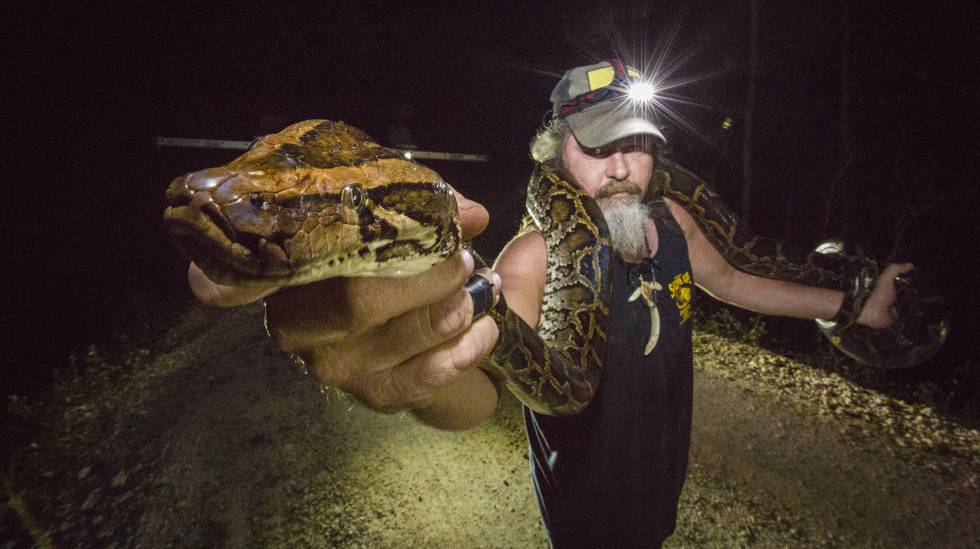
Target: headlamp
640	91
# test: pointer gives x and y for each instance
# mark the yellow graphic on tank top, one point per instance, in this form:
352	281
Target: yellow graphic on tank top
681	290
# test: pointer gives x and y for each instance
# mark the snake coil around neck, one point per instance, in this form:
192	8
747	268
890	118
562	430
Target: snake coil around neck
556	369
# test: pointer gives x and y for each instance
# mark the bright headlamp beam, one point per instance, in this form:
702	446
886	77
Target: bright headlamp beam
641	92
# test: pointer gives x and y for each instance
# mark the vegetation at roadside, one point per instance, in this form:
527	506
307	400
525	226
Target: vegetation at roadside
950	387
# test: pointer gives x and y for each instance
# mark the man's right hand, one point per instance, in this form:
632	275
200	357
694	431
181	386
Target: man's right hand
406	343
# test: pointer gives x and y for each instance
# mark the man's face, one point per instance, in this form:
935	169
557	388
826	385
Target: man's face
621	168
617	176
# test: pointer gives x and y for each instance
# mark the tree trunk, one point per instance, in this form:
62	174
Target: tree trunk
746	205
836	204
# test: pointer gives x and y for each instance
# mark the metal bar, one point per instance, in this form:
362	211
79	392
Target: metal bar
201	143
242	145
464	157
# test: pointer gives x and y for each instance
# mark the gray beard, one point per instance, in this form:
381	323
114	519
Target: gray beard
625	217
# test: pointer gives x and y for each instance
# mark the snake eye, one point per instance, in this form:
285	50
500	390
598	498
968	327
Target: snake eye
353	196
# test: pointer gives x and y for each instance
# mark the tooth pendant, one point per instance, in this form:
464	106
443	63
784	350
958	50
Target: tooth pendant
646	290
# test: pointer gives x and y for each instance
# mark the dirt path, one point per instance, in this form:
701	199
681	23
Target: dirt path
829	481
222	442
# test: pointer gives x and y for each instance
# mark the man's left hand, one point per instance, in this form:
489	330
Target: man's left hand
879	311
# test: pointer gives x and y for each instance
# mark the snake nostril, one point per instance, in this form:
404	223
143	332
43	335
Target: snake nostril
179	197
178	194
184	190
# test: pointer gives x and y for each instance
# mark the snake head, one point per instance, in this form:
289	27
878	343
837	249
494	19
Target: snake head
316	200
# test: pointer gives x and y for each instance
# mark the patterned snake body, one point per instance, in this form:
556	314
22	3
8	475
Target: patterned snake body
556	369
321	199
923	318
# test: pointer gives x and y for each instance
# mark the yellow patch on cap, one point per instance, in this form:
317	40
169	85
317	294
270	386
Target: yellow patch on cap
602	77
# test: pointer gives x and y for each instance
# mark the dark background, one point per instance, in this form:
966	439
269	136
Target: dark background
86	92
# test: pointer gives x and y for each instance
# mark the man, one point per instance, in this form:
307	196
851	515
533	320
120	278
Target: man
612	474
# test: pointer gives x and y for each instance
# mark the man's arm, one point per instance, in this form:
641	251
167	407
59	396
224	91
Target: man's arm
776	297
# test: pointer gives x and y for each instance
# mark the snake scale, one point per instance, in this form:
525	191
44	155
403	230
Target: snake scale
321	199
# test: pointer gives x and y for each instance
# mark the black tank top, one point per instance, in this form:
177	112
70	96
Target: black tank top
611	475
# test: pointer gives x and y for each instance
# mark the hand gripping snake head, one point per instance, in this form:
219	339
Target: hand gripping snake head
318	199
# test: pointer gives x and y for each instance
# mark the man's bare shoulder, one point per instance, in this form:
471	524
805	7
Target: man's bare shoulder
526	255
527	242
523	268
683	218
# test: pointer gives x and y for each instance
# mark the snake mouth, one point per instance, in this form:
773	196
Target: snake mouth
219	219
196	232
224	260
206	236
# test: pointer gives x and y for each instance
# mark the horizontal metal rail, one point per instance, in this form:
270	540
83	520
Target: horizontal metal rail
242	145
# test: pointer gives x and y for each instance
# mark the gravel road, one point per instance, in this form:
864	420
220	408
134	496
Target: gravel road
218	440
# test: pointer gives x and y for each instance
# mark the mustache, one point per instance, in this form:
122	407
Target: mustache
618	187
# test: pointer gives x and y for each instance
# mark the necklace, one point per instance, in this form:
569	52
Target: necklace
647	289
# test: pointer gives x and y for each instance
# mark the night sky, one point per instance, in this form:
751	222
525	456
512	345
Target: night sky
87	92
